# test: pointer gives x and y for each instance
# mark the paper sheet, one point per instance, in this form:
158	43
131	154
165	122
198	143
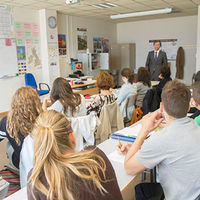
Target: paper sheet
117	157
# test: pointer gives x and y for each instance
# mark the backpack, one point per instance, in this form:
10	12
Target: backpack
137	114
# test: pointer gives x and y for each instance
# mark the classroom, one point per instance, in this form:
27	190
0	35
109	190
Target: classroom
100	99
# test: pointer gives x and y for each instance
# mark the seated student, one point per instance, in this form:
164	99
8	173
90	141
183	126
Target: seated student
64	100
175	149
25	107
164	77
143	83
194	110
104	82
127	88
61	173
196	99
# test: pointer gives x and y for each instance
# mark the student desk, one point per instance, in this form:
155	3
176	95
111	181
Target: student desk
86	88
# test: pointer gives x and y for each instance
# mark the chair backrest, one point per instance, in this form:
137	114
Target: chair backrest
84	127
130	105
30	80
111	121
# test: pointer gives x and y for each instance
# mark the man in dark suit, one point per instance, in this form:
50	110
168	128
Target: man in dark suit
156	59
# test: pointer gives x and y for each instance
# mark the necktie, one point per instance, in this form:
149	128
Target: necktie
155	56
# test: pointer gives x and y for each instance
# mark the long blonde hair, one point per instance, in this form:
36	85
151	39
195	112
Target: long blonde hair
55	159
25	108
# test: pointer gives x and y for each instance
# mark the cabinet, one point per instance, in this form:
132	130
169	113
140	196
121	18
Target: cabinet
122	56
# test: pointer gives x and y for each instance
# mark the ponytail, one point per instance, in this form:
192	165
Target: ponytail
55	159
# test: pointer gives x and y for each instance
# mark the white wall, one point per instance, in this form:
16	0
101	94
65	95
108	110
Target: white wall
95	28
182	28
198	42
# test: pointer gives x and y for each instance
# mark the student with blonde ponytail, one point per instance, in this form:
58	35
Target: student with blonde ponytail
60	173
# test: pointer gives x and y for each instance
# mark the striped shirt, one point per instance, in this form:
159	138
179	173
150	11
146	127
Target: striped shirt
99	102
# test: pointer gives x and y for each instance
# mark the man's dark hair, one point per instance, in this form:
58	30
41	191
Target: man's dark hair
176	99
155	41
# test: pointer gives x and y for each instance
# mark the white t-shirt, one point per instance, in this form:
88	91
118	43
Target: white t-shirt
80	110
175	150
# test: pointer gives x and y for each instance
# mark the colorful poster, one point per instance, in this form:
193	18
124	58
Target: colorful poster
36	41
105	45
28	41
27	26
62	44
61	41
18	25
82	38
21	54
8	42
19	33
19	41
97	44
27	33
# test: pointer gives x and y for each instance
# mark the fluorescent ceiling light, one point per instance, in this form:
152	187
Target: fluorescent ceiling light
144	13
104	5
111	4
97	6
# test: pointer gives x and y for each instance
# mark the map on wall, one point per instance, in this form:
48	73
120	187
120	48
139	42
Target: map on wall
170	46
33	56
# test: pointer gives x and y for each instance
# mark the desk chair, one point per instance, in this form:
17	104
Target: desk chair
111	121
129	108
30	81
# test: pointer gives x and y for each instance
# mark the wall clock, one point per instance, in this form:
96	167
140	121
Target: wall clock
52	22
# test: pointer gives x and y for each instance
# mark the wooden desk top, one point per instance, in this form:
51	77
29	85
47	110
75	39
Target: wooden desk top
82	85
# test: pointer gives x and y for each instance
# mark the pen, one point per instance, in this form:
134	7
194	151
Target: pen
120	144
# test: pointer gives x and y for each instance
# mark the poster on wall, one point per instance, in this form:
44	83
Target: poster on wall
28	44
97	44
105	45
170	46
6	26
21	60
82	39
62	44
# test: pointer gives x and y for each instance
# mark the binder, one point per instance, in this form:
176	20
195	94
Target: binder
124	138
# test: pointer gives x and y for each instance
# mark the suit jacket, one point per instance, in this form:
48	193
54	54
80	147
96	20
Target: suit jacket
154	67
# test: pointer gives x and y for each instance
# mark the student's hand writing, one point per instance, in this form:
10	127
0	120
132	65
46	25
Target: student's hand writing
123	147
151	121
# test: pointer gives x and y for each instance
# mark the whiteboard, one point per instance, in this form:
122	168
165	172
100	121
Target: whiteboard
8	58
169	46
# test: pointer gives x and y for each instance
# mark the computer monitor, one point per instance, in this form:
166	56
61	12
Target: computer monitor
77	65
